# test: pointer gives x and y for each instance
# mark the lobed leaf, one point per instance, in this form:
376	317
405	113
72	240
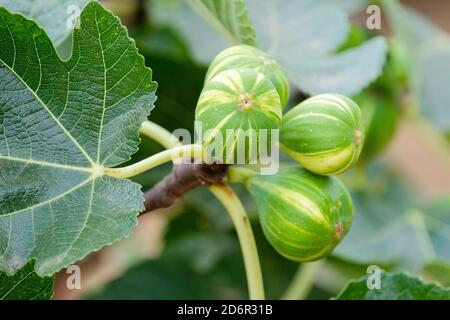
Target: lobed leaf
230	17
389	227
52	15
426	51
431	48
61	123
25	285
298	35
208	28
394	286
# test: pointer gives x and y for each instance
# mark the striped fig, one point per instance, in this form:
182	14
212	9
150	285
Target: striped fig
324	133
235	106
247	57
303	215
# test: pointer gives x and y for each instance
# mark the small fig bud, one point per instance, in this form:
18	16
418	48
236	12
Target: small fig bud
247	57
303	215
233	108
325	133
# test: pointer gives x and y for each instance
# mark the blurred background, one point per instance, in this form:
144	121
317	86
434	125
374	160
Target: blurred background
401	186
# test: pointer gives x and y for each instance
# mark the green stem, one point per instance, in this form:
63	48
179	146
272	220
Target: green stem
303	281
237	213
239	174
159	134
189	151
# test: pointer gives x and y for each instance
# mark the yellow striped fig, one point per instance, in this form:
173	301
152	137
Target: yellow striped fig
235	106
303	215
324	133
247	57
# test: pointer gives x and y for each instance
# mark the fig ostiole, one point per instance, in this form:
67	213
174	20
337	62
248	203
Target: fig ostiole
324	134
233	108
248	57
303	215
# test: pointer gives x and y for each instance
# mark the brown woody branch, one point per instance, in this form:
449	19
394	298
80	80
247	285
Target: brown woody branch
184	178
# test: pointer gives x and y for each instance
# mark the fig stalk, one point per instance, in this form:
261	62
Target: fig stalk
237	213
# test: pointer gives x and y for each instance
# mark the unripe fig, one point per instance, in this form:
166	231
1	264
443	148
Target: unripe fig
324	133
303	215
233	108
247	57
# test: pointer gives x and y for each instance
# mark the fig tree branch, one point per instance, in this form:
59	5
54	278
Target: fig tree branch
184	178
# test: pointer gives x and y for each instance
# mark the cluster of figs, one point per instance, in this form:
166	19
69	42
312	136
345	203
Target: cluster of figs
304	210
